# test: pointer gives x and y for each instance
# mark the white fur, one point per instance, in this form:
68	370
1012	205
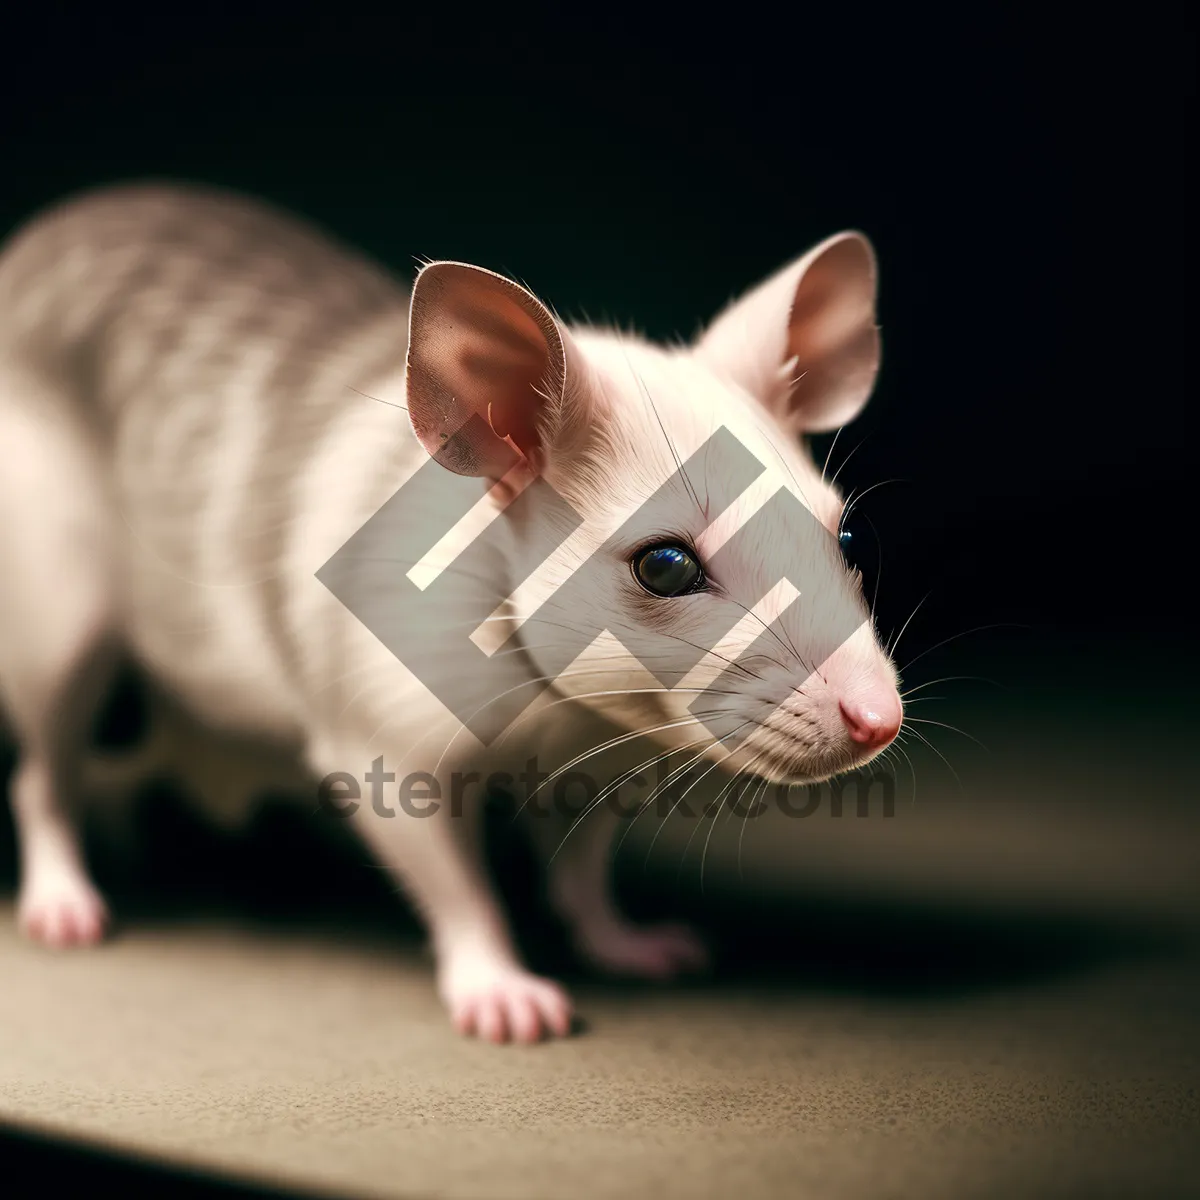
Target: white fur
198	405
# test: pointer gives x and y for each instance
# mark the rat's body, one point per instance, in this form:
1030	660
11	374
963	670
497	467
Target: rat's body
189	434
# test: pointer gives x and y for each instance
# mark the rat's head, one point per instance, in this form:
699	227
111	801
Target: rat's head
703	596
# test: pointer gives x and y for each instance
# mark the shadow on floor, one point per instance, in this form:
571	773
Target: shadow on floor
292	870
36	1163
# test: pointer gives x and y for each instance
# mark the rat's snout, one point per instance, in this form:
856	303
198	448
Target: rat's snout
863	708
872	720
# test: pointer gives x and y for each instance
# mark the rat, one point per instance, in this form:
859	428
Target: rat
204	400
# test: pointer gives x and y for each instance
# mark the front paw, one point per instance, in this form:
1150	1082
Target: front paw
659	952
500	1001
61	909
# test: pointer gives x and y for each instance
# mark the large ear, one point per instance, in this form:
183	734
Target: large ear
487	366
805	341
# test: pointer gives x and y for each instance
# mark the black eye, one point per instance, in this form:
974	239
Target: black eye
667	571
857	543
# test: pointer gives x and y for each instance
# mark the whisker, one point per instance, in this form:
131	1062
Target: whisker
620	740
611	787
766	783
950	679
892	647
683	796
919	734
829	452
463	726
389	403
878	570
742	774
952	728
715	811
722	657
710	743
707	810
640	656
615	692
857	497
833	481
550	679
965	633
791	474
789	649
901	752
666	436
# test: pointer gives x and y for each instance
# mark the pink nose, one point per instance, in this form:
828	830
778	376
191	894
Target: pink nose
872	724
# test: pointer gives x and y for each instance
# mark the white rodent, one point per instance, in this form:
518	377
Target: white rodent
202	403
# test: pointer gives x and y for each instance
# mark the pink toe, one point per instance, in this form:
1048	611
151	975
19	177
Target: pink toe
463	1017
491	1026
524	1020
557	1012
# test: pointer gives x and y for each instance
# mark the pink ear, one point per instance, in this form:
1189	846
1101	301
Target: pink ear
480	346
805	341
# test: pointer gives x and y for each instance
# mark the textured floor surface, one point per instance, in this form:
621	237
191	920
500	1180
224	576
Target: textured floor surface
996	992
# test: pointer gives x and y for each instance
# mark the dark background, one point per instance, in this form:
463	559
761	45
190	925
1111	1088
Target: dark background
1022	176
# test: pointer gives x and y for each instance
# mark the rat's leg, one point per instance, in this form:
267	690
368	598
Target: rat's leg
57	647
57	903
435	853
579	885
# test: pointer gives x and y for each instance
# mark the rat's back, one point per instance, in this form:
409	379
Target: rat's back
172	361
173	289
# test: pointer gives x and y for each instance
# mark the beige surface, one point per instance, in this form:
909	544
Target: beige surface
1033	1033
